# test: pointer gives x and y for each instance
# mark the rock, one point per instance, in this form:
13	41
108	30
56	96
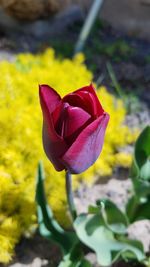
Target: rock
50	27
37	262
115	190
143	229
42	28
32	9
129	16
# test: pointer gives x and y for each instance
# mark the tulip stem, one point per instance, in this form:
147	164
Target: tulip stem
69	193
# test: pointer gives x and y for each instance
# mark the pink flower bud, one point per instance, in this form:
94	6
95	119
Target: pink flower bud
73	128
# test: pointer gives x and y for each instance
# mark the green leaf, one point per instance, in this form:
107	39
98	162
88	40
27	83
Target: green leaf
145	171
93	209
85	263
48	226
113	217
134	170
141	188
138	209
95	235
68	263
142	149
131	208
75	258
129	254
140	174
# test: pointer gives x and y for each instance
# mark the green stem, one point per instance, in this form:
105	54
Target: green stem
69	193
91	17
115	82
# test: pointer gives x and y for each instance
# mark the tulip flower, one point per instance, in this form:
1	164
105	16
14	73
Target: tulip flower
73	128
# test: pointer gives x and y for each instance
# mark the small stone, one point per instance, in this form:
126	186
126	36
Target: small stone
140	230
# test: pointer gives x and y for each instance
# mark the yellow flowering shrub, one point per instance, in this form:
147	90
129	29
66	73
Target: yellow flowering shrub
21	145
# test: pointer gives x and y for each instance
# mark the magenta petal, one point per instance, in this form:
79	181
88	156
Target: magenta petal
54	145
49	100
54	150
73	100
88	93
87	147
75	119
57	115
49	97
77	100
90	100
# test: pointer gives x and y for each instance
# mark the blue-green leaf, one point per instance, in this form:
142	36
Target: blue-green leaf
100	239
113	217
